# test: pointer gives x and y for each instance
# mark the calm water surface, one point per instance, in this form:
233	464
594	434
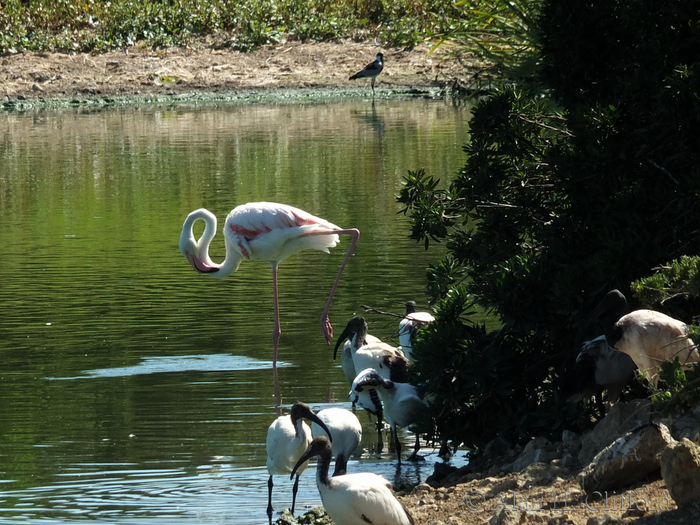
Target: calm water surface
134	390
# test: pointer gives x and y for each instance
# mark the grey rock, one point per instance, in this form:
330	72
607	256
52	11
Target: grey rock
680	469
622	418
627	460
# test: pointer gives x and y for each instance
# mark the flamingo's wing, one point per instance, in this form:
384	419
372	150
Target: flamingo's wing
277	230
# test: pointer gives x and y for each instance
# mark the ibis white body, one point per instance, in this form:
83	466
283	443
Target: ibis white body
647	336
288	437
346	433
355	499
409	327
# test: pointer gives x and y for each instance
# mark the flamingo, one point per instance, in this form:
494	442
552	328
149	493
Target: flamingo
403	403
647	336
264	231
287	440
371	70
346	433
354	499
409	327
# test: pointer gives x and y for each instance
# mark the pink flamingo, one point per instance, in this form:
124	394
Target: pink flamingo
264	231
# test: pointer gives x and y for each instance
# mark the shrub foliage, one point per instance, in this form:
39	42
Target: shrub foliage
584	179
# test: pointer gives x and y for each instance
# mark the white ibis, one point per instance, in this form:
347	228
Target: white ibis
361	498
264	231
345	433
598	367
388	361
402	403
346	362
409	327
287	439
647	336
371	70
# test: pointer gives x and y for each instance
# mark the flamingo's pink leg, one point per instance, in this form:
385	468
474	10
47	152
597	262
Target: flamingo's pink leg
325	321
278	330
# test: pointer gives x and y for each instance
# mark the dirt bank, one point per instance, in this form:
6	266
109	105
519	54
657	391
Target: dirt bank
144	74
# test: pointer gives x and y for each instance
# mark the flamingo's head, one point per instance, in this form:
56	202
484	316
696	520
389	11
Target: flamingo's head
196	251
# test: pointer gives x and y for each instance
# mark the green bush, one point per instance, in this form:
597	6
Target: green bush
583	179
86	25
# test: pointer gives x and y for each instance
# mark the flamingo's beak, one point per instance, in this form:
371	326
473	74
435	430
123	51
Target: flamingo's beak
201	266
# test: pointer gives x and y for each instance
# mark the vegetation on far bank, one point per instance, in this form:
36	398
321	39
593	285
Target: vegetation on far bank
95	26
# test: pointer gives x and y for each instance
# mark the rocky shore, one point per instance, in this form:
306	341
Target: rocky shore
631	468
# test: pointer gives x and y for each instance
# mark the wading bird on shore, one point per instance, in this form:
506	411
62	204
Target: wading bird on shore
288	437
371	70
264	231
647	336
354	499
598	367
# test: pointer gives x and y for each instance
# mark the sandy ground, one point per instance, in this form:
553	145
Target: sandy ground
145	73
553	498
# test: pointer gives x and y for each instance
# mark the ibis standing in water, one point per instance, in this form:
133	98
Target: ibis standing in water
388	361
403	404
264	231
372	353
354	499
345	433
287	439
346	362
409	327
647	336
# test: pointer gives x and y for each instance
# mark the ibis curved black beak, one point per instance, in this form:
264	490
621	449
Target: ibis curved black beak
310	452
320	446
342	337
302	410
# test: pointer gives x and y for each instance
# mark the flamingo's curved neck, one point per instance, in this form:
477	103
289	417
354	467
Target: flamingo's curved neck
199	249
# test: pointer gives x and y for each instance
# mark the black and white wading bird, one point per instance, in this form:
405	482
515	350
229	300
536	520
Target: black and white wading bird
346	434
354	499
403	404
598	368
388	361
288	437
647	336
346	362
371	70
410	326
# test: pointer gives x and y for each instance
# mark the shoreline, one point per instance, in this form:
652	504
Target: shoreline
287	72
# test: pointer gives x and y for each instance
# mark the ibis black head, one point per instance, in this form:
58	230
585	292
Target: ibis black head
356	326
303	411
370	378
614	304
